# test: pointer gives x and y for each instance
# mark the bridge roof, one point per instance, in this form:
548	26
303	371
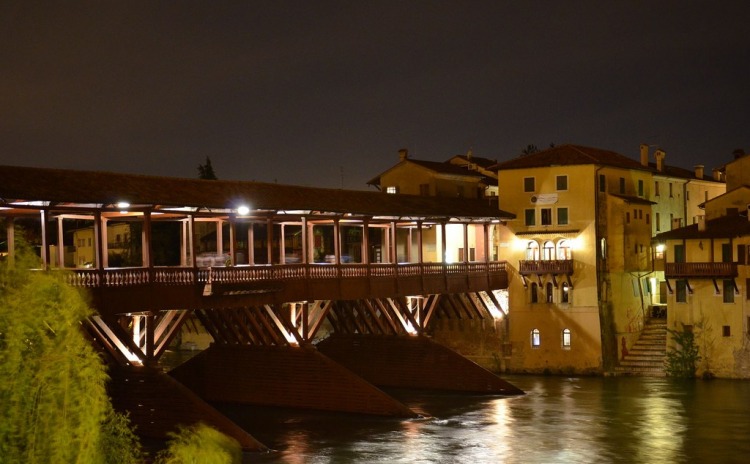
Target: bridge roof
71	187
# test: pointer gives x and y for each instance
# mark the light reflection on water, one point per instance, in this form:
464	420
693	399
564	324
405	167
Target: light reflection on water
559	420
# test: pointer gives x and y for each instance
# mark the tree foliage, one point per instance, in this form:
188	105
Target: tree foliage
200	444
682	360
53	402
206	171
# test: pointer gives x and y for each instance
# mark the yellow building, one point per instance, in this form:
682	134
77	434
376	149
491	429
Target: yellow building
706	270
581	251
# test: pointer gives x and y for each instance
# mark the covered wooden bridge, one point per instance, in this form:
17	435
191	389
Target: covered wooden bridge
314	297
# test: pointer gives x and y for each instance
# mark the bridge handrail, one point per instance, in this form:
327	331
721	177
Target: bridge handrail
119	277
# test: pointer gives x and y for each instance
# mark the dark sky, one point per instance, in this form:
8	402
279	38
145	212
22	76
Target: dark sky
324	93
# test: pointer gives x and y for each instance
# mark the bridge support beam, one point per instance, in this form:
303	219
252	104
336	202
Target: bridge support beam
412	362
287	376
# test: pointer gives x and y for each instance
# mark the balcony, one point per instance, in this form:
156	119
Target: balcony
115	290
552	266
700	270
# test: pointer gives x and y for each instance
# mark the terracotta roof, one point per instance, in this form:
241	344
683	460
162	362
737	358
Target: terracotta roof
723	227
568	155
436	166
68	186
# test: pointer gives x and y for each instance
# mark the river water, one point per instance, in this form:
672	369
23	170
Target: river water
559	420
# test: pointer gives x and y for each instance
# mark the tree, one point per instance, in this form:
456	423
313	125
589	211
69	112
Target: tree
206	171
682	360
53	402
529	150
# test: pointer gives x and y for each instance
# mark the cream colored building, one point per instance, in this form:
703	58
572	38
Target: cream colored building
706	269
580	248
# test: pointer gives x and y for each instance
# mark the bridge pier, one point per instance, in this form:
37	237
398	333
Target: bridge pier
157	404
287	376
412	362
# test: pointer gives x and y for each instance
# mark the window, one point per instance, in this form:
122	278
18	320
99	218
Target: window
536	338
648	219
562	182
622	185
528	184
563	250
640	188
424	189
565	293
656	188
530	217
546	216
602	183
670	190
549	292
532	251
566	338
726	331
657	221
562	216
391	189
627	217
681	291
726	253
534	293
728	292
548	251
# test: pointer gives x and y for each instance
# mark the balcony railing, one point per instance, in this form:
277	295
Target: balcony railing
700	270
121	277
552	266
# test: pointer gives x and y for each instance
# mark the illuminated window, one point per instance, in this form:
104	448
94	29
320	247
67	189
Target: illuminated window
563	250
566	338
565	293
536	338
391	189
532	251
548	252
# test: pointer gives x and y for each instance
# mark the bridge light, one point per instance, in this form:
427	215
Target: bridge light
243	210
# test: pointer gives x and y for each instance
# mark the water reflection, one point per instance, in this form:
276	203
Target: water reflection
559	420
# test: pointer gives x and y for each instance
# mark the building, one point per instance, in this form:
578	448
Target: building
580	249
708	280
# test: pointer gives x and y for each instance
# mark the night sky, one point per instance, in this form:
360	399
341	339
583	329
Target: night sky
325	93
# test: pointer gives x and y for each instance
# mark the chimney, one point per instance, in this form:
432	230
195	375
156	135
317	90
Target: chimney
644	155
716	174
699	171
701	222
403	154
659	154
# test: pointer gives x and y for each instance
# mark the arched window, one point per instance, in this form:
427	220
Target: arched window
536	338
549	292
566	338
532	251
563	250
548	251
534	293
565	293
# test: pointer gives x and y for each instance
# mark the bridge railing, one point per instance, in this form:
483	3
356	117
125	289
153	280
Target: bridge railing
122	277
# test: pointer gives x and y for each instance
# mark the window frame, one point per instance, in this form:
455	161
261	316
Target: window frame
562	178
529	182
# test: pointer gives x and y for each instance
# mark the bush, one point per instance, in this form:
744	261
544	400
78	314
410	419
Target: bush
200	444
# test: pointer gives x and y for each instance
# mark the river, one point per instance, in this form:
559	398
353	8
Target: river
558	420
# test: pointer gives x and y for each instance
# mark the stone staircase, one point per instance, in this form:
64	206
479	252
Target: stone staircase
646	357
